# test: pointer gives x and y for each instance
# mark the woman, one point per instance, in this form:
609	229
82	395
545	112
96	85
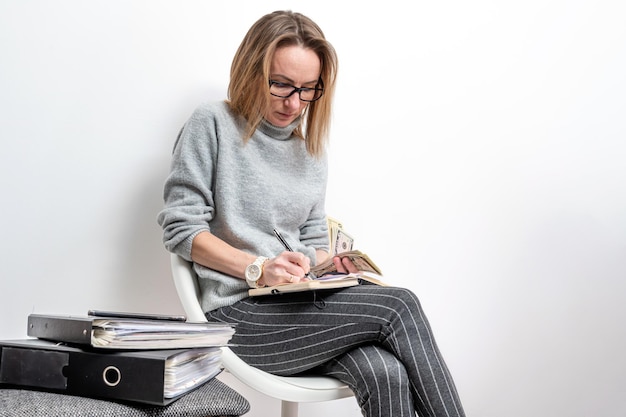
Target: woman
255	163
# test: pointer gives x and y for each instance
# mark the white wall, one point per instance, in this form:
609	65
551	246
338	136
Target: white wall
477	155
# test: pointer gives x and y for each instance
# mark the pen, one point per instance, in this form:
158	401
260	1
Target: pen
282	240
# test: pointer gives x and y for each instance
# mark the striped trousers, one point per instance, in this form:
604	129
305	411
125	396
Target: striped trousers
375	339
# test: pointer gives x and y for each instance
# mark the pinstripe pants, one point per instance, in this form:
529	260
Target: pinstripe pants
375	339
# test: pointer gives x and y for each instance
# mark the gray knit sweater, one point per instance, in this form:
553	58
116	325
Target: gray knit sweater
240	192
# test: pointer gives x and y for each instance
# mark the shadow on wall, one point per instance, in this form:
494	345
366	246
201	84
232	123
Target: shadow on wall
145	284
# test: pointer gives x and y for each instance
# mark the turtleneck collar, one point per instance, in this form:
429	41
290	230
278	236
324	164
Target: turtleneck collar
278	133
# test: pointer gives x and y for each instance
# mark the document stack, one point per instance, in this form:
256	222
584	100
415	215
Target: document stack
130	357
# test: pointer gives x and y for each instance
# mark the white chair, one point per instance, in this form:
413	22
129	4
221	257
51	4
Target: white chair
290	390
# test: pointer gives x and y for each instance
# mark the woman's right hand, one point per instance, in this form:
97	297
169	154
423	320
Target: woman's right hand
288	267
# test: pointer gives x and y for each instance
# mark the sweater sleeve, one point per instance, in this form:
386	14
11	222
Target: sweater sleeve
188	197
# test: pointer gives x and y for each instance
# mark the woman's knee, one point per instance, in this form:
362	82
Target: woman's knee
384	382
384	367
374	371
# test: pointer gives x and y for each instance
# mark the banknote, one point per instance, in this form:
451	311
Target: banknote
343	242
333	227
358	258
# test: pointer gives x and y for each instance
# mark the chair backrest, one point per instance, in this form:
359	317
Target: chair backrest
287	389
186	284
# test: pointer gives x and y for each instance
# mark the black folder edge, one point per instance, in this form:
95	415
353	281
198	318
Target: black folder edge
69	329
48	368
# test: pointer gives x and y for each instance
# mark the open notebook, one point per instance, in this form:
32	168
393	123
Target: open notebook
322	283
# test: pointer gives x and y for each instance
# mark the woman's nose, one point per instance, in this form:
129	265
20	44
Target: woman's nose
293	101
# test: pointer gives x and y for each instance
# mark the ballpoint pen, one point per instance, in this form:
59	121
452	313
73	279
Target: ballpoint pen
282	240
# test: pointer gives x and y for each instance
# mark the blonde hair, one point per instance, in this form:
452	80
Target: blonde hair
248	91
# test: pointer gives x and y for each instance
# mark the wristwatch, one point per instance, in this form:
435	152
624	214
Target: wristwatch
254	271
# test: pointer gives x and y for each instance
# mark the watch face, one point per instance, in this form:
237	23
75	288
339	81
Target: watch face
253	272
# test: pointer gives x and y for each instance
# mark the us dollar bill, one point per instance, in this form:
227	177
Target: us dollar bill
343	242
333	228
362	262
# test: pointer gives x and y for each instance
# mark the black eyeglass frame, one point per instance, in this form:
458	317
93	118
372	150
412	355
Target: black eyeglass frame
299	90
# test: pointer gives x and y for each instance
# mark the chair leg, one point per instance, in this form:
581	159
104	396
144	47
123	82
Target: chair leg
288	409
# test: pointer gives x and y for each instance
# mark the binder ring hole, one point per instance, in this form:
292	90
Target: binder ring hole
111	376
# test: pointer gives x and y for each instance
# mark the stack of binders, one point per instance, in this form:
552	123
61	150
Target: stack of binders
138	358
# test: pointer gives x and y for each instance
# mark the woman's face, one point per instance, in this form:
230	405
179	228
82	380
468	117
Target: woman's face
297	67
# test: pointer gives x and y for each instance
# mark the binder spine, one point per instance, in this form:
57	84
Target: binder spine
117	377
33	368
125	376
68	330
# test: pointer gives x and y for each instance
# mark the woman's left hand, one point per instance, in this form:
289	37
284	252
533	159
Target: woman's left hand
345	265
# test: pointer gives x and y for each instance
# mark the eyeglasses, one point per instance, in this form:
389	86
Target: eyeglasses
284	90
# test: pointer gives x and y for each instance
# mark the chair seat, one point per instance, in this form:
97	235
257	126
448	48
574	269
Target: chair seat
287	388
211	399
290	390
